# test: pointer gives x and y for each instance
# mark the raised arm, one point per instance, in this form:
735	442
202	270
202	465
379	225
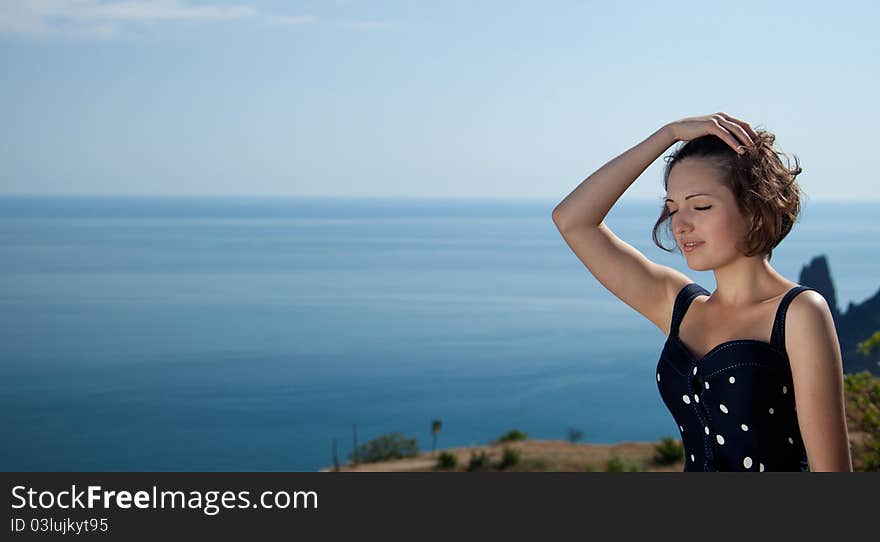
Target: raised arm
647	287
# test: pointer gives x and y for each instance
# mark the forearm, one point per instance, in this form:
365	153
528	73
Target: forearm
590	202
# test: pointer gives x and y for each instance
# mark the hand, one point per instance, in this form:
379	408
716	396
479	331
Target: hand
736	133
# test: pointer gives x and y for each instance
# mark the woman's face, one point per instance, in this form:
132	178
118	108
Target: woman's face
704	211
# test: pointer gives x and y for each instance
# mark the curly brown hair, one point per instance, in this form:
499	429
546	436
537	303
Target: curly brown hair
765	189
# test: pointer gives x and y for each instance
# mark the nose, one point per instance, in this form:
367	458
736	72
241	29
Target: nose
680	224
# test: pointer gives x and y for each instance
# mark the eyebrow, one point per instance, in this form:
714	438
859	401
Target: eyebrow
689	197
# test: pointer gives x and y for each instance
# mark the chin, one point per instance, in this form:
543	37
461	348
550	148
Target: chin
696	265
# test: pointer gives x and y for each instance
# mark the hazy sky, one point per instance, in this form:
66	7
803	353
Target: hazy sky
418	98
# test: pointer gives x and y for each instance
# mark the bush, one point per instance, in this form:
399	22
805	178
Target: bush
386	447
447	460
509	458
512	436
621	464
863	416
669	450
574	435
478	461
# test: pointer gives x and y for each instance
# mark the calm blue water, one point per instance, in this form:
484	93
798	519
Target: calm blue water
247	334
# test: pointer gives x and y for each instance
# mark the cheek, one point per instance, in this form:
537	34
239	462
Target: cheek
730	226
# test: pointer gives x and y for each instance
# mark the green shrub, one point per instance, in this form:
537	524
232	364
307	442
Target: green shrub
512	436
619	463
669	450
386	447
478	461
863	415
509	458
447	460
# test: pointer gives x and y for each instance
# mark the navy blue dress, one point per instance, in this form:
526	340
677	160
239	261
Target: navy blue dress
735	406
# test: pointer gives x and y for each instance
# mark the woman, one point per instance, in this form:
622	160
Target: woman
734	361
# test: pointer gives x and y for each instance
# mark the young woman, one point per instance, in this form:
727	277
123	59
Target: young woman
734	360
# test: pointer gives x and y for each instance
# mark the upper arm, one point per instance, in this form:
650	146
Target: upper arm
817	373
647	287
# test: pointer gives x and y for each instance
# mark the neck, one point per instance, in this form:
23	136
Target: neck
746	281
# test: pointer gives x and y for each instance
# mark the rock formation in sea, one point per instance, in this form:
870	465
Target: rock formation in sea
854	325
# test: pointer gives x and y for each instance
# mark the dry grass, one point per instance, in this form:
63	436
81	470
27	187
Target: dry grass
536	455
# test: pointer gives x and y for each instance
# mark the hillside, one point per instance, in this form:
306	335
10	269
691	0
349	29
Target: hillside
537	455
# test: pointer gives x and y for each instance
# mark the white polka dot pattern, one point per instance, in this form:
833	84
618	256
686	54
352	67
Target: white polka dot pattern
750	390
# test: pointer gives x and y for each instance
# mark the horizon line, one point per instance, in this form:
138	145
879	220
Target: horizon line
120	195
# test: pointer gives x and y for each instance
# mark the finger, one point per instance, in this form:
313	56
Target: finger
728	138
738	131
745	125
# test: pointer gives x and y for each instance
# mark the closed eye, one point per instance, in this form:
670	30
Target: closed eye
697	208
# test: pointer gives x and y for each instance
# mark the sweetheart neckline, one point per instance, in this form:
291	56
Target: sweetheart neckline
703	292
690	354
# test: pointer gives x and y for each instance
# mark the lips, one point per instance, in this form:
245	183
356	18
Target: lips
689	246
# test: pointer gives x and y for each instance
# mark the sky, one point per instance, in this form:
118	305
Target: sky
435	99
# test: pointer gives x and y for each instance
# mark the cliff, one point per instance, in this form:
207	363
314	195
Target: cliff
856	324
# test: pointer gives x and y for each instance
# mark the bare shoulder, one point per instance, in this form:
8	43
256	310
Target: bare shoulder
809	324
808	308
676	281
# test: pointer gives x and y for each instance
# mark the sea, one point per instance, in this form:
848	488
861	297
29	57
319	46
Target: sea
262	334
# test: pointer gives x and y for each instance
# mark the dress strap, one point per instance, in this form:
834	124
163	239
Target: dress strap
682	301
777	337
